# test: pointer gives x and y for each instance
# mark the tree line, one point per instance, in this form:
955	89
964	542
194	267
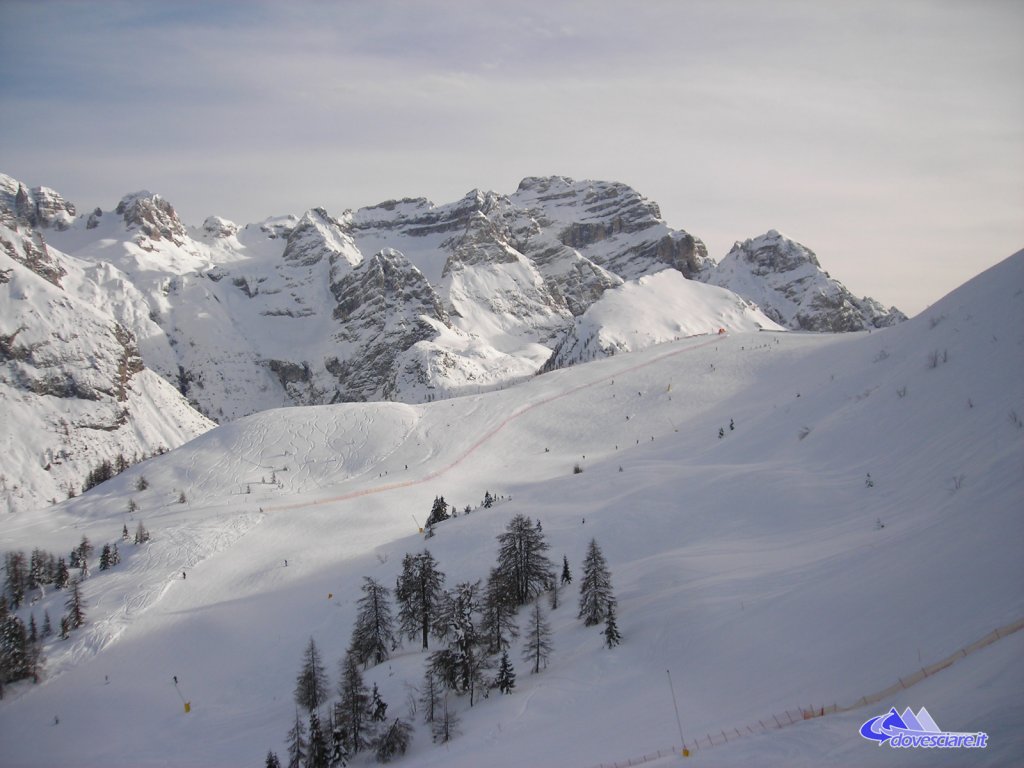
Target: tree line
471	625
26	580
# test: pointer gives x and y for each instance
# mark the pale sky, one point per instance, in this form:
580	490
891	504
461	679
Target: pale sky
886	136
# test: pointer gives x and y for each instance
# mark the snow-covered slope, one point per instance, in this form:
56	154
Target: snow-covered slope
724	478
785	279
652	310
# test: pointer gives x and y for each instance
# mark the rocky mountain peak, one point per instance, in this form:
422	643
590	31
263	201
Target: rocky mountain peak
215	226
786	280
40	207
773	252
153	216
316	235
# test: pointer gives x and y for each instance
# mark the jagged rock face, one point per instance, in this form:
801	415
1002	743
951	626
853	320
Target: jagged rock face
215	226
316	236
456	297
74	390
383	307
153	216
26	246
612	224
786	280
40	207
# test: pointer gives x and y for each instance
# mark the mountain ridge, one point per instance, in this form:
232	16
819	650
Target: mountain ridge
403	300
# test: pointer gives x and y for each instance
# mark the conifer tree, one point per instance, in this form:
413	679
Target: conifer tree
76	607
296	742
595	588
461	666
105	557
62	576
378	707
316	757
353	710
506	679
272	761
373	634
84	551
141	534
446	723
338	751
498	620
566	573
419	591
311	684
537	646
47	625
16	581
521	560
611	629
431	695
15	658
438	512
394	741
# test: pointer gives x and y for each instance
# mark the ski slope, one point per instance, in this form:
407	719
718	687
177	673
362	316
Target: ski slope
751	565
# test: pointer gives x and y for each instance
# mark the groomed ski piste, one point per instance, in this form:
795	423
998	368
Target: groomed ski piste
759	567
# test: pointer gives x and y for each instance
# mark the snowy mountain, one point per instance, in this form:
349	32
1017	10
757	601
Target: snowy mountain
74	390
786	281
405	300
791	521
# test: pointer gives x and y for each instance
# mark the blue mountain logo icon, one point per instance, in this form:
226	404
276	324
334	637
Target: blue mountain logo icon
910	730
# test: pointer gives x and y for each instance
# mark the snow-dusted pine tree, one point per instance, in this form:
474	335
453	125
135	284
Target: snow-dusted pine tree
438	512
431	695
394	741
462	665
311	685
521	560
296	742
506	678
537	645
317	755
76	606
611	629
353	711
498	614
595	588
373	635
378	707
419	591
446	723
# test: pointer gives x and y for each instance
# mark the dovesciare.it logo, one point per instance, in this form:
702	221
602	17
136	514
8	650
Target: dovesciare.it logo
910	731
